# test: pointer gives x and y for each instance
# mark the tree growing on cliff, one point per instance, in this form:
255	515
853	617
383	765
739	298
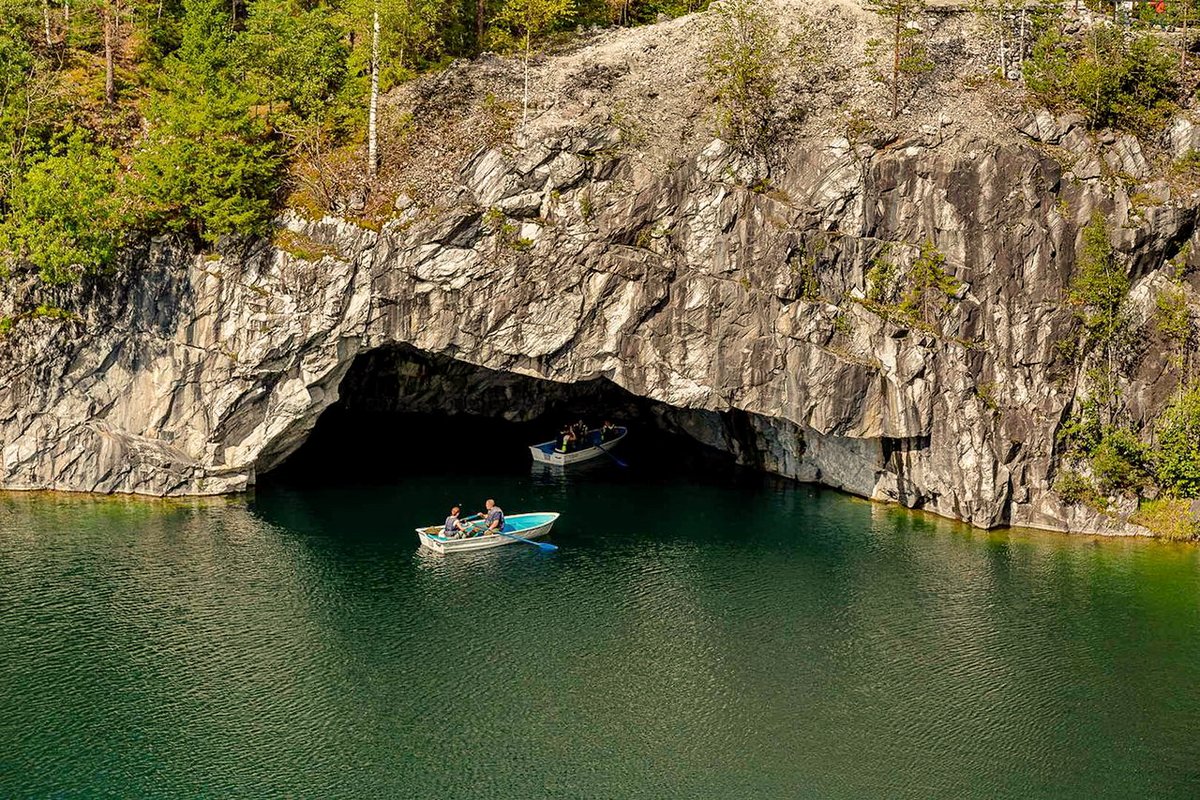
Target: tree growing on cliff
1114	78
743	61
1099	286
528	21
208	164
929	285
902	56
1177	454
65	216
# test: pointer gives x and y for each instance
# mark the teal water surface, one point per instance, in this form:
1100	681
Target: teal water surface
692	638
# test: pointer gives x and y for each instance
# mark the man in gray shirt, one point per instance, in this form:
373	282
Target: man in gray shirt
493	517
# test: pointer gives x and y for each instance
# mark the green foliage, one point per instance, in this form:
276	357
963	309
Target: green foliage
1081	435
633	12
529	20
743	59
295	57
208	165
1076	489
1173	321
1187	165
1118	462
65	215
929	285
882	278
27	102
842	324
1115	78
986	392
916	294
1177	451
1168	518
901	57
804	269
1100	286
220	108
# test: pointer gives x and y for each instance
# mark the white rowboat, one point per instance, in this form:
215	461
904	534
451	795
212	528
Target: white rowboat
527	526
547	452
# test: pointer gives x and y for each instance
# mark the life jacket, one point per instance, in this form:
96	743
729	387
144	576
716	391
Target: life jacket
451	527
498	514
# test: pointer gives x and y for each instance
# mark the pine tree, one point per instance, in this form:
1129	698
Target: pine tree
209	165
908	56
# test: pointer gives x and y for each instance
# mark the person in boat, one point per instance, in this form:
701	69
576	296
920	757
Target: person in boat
454	527
493	518
566	439
581	434
608	431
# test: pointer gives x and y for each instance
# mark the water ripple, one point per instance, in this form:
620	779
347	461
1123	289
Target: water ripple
303	647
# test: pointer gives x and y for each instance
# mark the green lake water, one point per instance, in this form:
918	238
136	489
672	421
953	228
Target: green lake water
698	635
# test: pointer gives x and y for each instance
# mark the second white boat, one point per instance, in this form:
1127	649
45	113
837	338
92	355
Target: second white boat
594	447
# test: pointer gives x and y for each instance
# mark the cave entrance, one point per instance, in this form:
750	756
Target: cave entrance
403	412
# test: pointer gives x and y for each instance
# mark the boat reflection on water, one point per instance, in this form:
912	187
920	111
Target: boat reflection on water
544	474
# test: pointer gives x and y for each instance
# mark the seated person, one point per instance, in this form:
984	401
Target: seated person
493	518
453	527
608	431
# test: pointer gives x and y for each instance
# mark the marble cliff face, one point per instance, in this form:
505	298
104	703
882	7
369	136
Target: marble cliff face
192	375
741	303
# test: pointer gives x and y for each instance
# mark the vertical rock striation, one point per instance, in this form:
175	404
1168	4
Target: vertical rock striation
696	288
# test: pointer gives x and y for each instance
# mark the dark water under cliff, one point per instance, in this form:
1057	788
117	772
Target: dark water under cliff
700	634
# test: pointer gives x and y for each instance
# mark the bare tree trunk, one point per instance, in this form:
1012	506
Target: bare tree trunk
525	97
1003	51
1183	43
46	21
1021	49
480	13
108	53
373	112
896	68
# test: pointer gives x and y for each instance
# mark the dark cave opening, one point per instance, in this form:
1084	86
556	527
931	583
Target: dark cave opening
401	412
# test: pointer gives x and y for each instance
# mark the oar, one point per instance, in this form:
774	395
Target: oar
545	547
620	463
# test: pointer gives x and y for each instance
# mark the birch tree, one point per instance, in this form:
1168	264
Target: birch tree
373	103
400	36
529	20
108	22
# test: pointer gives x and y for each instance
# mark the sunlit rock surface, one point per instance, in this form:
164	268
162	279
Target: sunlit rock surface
565	260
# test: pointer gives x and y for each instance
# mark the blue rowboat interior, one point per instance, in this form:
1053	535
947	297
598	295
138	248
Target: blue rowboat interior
513	524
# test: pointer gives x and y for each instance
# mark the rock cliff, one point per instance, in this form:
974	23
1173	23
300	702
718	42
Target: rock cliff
696	283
